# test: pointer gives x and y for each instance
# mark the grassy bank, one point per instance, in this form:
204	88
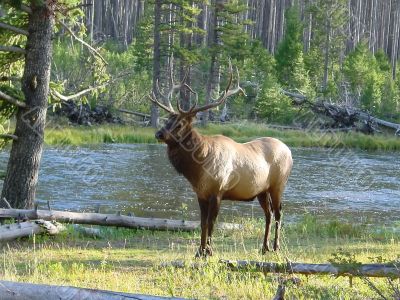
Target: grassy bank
239	132
130	261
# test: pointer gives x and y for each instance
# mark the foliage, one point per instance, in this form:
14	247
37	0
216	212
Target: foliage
371	78
289	57
272	105
235	41
328	41
262	74
12	64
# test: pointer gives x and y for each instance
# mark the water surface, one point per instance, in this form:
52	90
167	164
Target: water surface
346	184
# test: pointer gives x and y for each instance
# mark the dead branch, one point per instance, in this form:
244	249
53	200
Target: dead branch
345	115
7	203
24	229
87	90
76	7
12	49
8	137
109	220
13	28
83	42
136	113
10	78
26	9
78	94
12	100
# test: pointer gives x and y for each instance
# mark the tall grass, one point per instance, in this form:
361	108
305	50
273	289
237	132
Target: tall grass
241	132
131	261
99	134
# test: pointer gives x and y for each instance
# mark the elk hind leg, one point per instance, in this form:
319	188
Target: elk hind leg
265	202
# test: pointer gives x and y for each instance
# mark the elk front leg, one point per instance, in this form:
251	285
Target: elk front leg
204	227
265	203
213	209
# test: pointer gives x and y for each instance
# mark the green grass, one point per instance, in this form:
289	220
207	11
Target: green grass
130	260
241	132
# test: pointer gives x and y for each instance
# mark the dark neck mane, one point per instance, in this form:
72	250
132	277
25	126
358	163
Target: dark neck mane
186	154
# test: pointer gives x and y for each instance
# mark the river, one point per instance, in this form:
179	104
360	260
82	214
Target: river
351	185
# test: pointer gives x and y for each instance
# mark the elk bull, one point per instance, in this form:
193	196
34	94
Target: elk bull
218	168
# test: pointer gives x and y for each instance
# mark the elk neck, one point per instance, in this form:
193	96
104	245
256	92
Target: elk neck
188	154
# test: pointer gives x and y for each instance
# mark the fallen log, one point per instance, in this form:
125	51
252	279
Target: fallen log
136	113
23	291
108	220
344	115
24	229
366	270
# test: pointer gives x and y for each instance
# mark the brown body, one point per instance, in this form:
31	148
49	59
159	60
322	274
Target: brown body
218	168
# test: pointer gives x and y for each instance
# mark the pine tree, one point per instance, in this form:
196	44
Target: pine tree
329	35
370	77
289	57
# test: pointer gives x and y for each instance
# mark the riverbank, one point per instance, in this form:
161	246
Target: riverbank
241	132
130	260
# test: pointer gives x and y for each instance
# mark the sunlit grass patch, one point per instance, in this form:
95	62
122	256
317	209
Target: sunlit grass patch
241	132
131	260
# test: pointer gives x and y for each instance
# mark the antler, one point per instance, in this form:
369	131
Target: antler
193	109
184	112
173	89
222	98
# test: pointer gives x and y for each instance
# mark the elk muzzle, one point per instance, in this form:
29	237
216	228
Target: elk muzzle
160	136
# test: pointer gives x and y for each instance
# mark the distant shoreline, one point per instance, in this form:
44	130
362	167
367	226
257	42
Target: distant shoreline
240	132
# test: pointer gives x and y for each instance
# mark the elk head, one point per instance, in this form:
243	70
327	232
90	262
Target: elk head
179	124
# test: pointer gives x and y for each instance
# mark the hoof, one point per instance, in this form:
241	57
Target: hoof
204	252
264	250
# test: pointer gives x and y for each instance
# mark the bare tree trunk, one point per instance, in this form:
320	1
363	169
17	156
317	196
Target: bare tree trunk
156	60
23	166
327	50
185	41
201	39
215	41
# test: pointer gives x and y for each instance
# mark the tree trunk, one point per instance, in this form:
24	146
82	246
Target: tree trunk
215	41
327	50
156	60
185	42
23	165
